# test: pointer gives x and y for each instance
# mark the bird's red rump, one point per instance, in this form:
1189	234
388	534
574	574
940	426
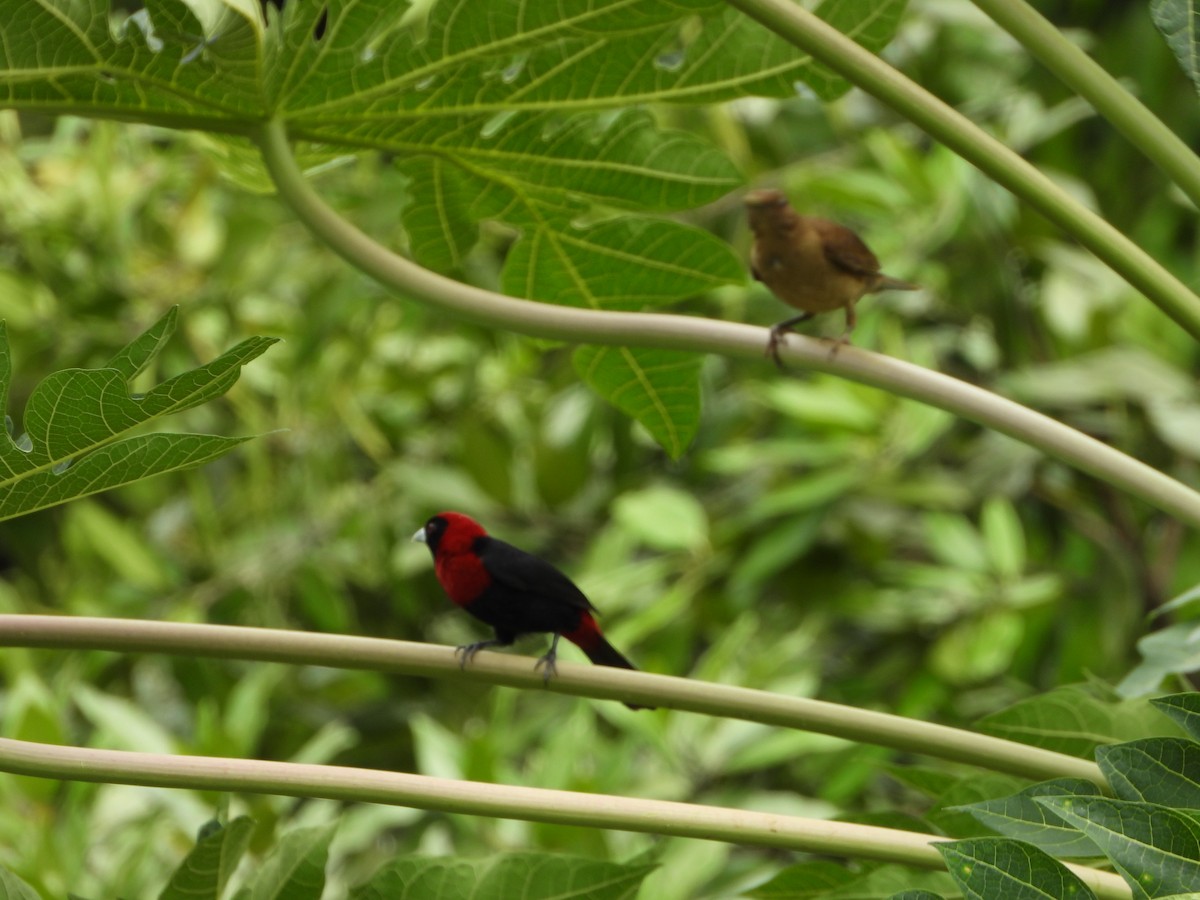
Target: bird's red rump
463	576
586	635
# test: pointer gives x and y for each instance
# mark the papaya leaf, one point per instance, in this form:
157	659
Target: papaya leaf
659	388
520	111
1183	709
295	870
628	263
1021	817
1001	867
205	871
1179	22
13	888
510	876
1156	849
79	423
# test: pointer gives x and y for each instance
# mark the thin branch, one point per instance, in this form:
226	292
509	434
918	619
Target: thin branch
1091	81
547	320
350	652
502	801
823	42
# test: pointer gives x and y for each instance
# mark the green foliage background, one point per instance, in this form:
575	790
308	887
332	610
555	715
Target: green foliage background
818	538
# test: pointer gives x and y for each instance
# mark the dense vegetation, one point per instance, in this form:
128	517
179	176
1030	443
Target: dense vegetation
816	537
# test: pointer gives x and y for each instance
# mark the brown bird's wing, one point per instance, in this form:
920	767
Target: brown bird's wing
845	249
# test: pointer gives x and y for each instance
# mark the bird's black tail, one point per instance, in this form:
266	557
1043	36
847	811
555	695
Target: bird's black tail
602	653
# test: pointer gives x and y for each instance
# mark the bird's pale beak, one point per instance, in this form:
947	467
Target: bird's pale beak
419	537
765	199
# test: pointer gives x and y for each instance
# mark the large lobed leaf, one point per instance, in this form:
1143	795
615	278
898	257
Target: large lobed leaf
354	69
987	868
1020	816
1076	720
78	424
1184	709
1156	770
498	109
1155	848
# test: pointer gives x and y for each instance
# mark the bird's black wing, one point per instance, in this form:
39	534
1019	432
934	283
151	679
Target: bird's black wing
529	575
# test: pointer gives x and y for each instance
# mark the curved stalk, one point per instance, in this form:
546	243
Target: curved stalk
350	652
503	801
1091	81
731	339
823	42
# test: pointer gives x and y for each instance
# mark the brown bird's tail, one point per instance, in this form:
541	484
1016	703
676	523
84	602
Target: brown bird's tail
888	283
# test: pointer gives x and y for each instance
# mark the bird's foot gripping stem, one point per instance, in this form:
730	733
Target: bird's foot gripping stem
777	333
843	341
778	330
466	653
548	662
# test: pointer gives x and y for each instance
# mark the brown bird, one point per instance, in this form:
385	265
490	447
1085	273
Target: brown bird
812	264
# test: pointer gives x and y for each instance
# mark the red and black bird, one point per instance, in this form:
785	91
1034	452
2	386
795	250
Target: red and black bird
513	591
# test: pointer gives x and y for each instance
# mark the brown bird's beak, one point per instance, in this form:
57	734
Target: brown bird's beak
765	199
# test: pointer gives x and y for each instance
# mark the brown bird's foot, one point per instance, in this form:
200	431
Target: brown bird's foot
778	330
466	653
772	351
843	341
548	662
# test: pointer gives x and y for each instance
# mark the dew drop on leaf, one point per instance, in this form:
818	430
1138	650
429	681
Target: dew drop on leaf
513	70
493	125
671	60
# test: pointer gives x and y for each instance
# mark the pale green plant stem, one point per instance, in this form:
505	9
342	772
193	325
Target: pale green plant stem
587	326
351	652
823	42
1091	81
502	801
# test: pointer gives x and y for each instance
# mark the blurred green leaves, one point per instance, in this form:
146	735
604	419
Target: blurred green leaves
13	888
77	439
1173	650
